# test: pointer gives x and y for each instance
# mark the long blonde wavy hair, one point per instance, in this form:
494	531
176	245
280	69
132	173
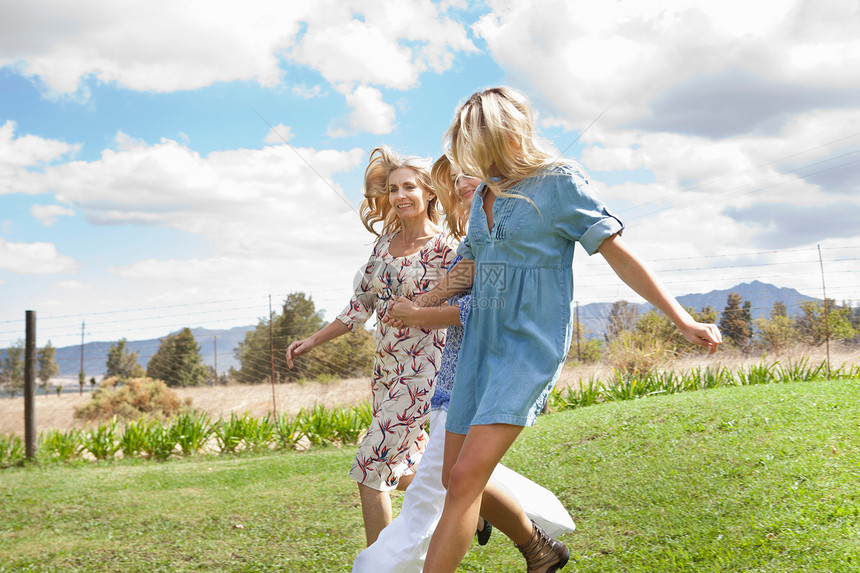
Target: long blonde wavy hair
444	176
375	207
495	127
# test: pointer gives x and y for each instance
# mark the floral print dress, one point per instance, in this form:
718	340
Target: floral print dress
406	361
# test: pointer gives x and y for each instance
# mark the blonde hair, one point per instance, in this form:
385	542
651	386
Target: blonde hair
375	206
443	173
495	127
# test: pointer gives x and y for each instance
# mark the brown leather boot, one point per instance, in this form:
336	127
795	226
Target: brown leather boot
543	553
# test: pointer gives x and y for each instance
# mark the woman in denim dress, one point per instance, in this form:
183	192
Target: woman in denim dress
518	254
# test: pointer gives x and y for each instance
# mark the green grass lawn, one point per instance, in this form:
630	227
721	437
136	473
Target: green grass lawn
758	478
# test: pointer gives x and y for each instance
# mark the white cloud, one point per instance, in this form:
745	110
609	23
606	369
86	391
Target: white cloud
369	114
741	193
72	285
271	223
49	214
125	142
34	259
164	46
240	200
583	56
27	151
307	92
381	43
278	134
156	46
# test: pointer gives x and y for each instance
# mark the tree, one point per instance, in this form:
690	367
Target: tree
122	363
747	314
622	317
48	367
590	351
12	370
177	361
343	356
812	327
777	333
733	322
582	348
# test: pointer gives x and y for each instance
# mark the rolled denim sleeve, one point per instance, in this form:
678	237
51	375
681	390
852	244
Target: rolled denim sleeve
580	214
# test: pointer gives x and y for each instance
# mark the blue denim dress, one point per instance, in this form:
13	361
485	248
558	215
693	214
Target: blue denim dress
519	327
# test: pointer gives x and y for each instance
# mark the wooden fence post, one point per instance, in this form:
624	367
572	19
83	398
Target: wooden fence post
30	385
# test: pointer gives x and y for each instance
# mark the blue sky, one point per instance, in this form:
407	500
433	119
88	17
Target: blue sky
141	191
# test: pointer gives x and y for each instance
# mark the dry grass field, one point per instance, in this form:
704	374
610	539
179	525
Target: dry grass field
220	401
58	412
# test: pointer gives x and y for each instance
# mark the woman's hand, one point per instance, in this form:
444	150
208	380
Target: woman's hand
297	348
401	312
703	334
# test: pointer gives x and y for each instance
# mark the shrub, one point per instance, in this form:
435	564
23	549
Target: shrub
230	433
191	430
11	450
132	399
133	438
318	425
102	441
159	442
288	430
634	352
61	445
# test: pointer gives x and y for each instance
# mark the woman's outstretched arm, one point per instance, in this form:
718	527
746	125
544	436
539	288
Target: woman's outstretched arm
636	275
330	332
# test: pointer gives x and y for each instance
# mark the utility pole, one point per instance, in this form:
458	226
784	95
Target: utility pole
578	354
826	311
272	358
215	347
81	375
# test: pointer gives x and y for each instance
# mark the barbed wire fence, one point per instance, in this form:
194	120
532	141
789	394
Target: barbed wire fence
98	331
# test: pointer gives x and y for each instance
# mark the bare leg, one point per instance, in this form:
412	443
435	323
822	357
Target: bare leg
376	507
376	511
476	455
404	482
506	514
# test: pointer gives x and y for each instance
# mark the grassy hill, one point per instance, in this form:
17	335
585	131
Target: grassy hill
756	478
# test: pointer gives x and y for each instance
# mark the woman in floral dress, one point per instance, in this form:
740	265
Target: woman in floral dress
409	258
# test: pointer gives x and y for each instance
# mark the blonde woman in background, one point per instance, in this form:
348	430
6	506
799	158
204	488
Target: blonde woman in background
409	257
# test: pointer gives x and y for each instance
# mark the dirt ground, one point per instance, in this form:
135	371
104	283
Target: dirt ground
219	401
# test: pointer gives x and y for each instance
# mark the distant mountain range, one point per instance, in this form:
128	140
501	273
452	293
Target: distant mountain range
593	317
762	297
95	353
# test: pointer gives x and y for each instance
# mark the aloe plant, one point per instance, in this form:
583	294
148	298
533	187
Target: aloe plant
191	430
101	441
288	431
159	442
11	450
62	445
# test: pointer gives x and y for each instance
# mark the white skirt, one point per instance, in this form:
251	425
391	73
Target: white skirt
402	546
